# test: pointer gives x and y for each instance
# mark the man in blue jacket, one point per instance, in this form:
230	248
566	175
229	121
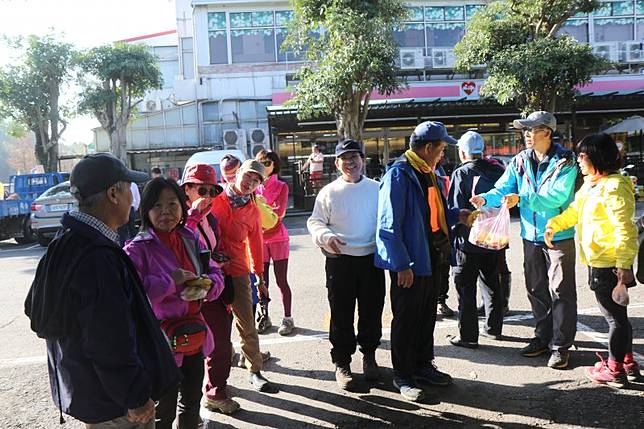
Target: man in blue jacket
542	180
411	239
108	359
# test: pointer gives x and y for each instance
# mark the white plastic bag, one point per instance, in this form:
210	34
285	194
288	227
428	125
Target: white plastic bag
491	229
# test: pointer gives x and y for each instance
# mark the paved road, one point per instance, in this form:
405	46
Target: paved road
493	387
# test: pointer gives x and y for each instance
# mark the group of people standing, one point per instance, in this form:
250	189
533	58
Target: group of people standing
416	225
187	270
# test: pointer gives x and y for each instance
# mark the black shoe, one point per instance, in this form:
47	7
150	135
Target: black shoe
558	360
370	368
535	348
258	382
343	376
431	375
408	389
481	311
444	310
456	341
490	336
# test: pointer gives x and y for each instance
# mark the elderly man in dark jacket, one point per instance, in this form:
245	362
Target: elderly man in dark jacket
475	175
108	359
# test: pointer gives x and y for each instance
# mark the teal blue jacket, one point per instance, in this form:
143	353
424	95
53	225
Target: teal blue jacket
543	194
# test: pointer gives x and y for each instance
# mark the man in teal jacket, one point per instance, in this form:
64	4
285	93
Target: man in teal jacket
541	179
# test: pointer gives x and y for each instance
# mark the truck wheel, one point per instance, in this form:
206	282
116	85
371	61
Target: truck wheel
28	235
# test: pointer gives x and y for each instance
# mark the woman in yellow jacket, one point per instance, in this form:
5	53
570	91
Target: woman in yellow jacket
603	212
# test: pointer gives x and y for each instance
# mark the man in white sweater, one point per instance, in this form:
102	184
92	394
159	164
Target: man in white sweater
343	225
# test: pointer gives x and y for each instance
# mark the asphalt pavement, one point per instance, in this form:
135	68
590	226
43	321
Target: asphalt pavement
493	386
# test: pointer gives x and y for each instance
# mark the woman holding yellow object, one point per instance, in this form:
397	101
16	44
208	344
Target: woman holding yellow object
603	212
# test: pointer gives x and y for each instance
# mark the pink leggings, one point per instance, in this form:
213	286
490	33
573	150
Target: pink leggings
280	269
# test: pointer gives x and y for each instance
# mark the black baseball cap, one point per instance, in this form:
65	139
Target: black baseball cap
98	171
348	145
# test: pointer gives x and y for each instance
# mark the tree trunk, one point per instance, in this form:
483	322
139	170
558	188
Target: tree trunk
39	150
118	142
350	119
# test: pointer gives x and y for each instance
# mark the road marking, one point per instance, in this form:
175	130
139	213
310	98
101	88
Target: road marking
442	324
22	249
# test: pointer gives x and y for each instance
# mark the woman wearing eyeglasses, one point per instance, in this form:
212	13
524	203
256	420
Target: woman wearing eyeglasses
200	186
276	239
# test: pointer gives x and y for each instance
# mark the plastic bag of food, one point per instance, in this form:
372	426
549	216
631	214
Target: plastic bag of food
620	294
491	229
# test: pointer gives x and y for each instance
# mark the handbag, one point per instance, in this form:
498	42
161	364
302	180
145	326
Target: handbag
186	334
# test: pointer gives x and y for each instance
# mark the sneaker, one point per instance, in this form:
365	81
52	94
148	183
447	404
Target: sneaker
444	310
258	381
558	360
242	359
343	376
632	370
431	375
607	372
486	334
263	324
534	348
370	368
458	342
287	326
225	406
408	389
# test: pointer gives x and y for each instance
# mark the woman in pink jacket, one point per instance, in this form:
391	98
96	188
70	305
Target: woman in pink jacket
168	257
276	239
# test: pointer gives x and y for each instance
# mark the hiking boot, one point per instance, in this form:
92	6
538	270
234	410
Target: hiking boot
343	376
242	359
431	375
287	326
370	368
534	348
225	406
558	359
444	310
408	389
258	381
608	372
458	342
631	368
263	324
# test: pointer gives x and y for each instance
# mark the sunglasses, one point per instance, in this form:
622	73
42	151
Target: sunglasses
267	163
213	191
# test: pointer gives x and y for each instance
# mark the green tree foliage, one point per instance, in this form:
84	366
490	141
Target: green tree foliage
527	62
119	75
30	91
350	51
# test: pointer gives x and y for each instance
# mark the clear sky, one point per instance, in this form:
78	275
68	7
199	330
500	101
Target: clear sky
84	23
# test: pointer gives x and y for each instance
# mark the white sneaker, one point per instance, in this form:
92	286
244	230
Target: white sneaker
287	326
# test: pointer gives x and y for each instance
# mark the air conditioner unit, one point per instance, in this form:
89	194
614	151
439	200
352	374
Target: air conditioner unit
606	50
412	59
634	52
258	141
235	139
152	105
443	58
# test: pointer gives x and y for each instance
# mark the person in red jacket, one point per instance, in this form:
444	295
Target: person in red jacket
241	230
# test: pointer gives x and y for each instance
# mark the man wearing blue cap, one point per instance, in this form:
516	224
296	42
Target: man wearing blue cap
542	179
473	261
343	225
411	239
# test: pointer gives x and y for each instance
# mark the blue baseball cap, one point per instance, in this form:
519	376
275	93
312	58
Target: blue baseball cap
471	143
432	131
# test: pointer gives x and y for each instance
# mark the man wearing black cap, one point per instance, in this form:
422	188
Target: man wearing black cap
108	360
343	225
411	240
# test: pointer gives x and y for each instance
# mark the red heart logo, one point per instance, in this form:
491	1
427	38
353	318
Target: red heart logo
468	87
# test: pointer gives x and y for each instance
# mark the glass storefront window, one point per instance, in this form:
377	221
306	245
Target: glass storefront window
253	45
218	47
623	8
613	29
444	35
434	13
415	13
410	36
454	13
471	9
577	28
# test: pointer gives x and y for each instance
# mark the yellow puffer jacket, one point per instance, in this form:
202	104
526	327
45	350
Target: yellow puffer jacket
603	214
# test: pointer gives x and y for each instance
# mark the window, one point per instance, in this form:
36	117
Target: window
434	13
454	13
187	58
210	111
577	28
471	9
640	28
253	45
410	36
444	34
613	29
217	38
640	7
415	13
